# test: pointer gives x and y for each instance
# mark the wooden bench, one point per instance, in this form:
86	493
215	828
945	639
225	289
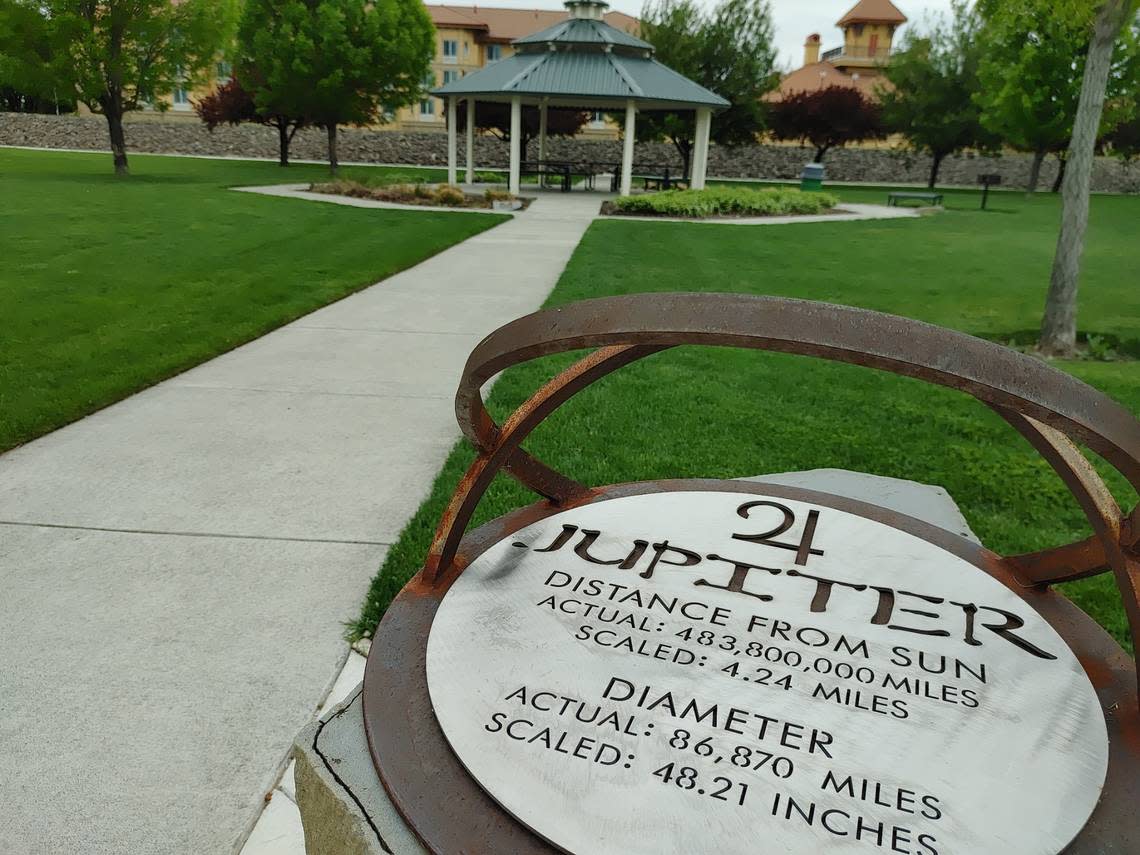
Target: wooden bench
547	169
932	198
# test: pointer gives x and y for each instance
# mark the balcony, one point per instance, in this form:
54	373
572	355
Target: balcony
857	52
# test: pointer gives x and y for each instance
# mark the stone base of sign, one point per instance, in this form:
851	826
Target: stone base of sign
926	502
344	807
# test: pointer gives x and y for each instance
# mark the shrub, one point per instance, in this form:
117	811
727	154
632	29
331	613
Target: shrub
497	195
727	201
448	195
418	193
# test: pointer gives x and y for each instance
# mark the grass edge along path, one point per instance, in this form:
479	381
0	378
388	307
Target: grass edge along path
113	284
718	413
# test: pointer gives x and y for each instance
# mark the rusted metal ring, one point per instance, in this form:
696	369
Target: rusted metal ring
1050	408
997	375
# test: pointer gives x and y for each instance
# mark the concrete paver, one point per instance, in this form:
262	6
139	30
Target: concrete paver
176	568
279	831
150	683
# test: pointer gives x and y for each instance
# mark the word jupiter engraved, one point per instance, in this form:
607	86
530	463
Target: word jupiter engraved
727	667
887	607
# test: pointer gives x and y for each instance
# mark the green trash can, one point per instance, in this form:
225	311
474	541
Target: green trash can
812	177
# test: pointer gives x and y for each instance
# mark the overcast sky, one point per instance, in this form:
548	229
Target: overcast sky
794	19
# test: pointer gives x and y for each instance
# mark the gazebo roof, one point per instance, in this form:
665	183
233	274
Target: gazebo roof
583	31
583	61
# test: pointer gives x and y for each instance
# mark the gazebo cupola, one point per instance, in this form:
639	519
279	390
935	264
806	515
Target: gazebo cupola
582	63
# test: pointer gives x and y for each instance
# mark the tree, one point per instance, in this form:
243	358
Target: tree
116	55
728	51
933	80
495	118
826	118
1124	140
1059	324
32	71
231	104
334	61
1122	106
1030	74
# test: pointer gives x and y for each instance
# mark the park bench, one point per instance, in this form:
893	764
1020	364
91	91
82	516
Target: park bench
548	169
653	175
932	198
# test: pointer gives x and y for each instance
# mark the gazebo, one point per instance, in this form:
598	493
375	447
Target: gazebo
581	63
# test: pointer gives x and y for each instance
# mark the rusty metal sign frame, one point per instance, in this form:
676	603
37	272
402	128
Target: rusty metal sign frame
1054	411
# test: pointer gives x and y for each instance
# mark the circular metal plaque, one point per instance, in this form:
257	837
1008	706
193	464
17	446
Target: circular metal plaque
726	672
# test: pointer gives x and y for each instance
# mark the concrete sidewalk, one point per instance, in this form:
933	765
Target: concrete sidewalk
175	569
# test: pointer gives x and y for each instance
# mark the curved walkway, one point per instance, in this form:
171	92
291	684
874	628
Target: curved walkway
176	568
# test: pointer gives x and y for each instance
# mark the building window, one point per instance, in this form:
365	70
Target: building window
223	71
597	119
449	76
427	105
181	95
494	53
450	50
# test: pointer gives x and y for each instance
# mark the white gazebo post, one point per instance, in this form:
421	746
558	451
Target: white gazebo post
470	140
701	149
542	130
627	148
452	132
516	144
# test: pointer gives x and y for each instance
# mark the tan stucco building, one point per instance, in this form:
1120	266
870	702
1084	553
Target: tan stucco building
868	32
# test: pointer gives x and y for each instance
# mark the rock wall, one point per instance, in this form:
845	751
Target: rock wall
184	135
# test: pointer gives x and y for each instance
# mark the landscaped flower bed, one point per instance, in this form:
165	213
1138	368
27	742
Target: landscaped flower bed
723	202
418	193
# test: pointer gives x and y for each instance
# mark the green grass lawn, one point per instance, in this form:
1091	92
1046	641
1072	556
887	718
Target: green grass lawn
108	284
726	413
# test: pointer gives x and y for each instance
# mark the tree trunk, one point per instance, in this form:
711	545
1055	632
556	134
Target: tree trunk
1034	173
1062	162
820	151
1059	324
333	162
935	162
685	149
283	137
118	138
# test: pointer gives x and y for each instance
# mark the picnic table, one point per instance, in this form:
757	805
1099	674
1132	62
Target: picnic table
932	198
557	169
661	175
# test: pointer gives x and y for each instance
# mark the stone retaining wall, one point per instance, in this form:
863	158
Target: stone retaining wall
188	136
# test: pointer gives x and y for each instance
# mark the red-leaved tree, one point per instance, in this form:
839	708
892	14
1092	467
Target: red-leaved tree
230	104
827	118
495	118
